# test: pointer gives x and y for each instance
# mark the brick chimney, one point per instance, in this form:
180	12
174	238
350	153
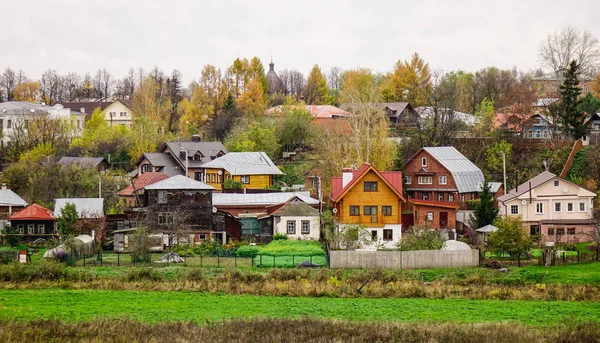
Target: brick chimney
196	138
347	174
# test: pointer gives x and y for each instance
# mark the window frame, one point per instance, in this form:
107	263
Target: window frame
572	205
570	231
512	207
584	207
291	227
386	210
560	231
556	183
370	212
31	229
388	235
429	217
302	227
425	180
146	168
423	161
551	231
450	197
443	177
245	179
161	197
408	180
440	196
368	186
41	229
539	208
354	210
21	229
558	207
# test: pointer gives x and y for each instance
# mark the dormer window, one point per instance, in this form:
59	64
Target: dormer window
197	157
424	162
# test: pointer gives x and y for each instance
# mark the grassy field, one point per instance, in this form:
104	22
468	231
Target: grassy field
151	307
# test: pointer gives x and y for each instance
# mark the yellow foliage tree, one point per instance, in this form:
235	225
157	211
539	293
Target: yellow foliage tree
195	112
596	86
151	100
412	81
28	91
252	101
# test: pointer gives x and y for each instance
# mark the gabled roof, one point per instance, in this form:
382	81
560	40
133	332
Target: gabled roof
487	229
317	111
163	161
294	206
179	182
86	207
392	179
144	180
467	176
433	203
208	151
91	162
89	106
428	111
245	163
258	199
10	198
33	212
523	188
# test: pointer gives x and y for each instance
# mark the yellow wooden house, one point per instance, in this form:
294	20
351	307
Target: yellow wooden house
254	170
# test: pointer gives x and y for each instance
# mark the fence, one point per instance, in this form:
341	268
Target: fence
404	259
128	260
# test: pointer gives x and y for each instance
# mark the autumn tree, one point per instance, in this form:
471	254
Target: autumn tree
151	100
214	86
258	134
510	239
315	90
100	139
237	76
484	117
560	48
28	91
195	112
252	101
411	81
295	128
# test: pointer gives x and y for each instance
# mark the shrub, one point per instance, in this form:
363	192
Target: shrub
139	274
247	251
280	237
232	184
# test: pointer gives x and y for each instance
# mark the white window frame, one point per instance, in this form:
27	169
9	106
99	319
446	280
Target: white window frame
450	197
21	229
440	196
423	161
556	183
429	217
512	207
539	208
443	180
582	203
407	180
31	229
41	229
558	207
291	227
425	180
245	179
305	224
572	207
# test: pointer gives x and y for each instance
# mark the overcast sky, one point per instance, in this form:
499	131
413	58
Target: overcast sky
84	35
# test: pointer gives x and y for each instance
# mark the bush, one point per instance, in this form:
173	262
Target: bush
247	251
280	237
232	184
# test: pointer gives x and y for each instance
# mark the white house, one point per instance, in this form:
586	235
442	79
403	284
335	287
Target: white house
294	218
553	207
18	114
117	112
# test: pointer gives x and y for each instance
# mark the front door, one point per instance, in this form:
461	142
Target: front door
443	219
534	230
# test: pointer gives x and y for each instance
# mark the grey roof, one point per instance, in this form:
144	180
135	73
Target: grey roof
82	161
164	162
209	151
245	163
179	182
494	186
524	187
395	107
232	199
427	111
25	107
467	176
487	229
10	198
86	207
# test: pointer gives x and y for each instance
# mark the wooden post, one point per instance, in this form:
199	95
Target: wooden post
118	259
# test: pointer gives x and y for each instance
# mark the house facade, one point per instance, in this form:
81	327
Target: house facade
34	222
556	209
294	218
10	203
436	214
371	198
538	126
134	193
399	113
547	85
254	170
117	112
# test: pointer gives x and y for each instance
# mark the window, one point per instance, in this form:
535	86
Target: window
514	209
162	197
425	196
462	198
408	180
443	180
146	168
425	180
581	207
557	207
31	229
585	88
26	124
21	228
122	114
245	179
165	218
550	231
370	186
370	210
386	210
305	227
560	231
539	208
112	114
556	183
198	176
424	162
570	207
218	178
440	196
355	210
374	235
41	229
571	231
196	157
291	227
450	197
388	234
9	124
429	217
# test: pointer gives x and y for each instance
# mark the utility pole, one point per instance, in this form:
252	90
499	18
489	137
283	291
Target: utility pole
504	169
320	194
99	186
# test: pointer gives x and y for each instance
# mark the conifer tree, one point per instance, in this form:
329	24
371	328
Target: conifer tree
569	116
485	213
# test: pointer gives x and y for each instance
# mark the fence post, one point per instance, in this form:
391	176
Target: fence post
101	259
118	259
253	261
200	260
577	256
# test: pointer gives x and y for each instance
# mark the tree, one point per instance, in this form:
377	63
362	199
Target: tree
296	130
257	72
254	135
485	213
151	100
420	237
8	82
589	104
493	161
510	239
315	90
173	85
67	221
596	86
28	91
50	86
569	116
195	112
559	48
411	81
484	117
252	101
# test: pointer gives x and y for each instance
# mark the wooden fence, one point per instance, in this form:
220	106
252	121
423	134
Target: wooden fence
404	259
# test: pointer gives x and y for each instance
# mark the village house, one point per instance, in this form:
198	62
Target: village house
547	85
34	222
248	208
399	113
10	203
254	170
117	112
133	193
98	163
370	198
90	212
556	209
435	214
294	218
593	126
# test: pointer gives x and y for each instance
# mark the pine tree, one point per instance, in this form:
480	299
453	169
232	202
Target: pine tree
569	116
485	213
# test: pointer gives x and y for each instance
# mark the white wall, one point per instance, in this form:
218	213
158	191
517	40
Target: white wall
280	224
116	108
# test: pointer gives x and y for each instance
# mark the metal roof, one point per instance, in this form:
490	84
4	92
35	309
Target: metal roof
523	188
209	150
86	207
428	111
180	182
82	161
10	198
467	176
494	186
487	229
164	162
233	199
245	163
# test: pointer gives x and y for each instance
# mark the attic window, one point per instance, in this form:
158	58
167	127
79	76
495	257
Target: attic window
424	162
556	183
196	157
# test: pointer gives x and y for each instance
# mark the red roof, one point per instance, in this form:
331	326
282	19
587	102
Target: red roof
33	212
433	203
394	178
146	179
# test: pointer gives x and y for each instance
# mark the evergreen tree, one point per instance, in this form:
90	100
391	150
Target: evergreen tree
67	220
569	115
485	213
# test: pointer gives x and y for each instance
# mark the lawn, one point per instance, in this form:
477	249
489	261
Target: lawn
85	305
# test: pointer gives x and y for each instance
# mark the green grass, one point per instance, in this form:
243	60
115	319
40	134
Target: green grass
85	305
293	247
267	261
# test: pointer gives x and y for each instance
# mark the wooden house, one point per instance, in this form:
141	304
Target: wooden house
34	222
254	170
294	218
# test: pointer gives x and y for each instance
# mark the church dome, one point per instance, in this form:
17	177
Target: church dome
273	80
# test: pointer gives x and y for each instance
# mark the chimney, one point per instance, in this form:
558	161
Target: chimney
346	176
196	138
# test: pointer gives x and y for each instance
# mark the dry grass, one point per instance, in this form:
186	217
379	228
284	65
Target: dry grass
284	330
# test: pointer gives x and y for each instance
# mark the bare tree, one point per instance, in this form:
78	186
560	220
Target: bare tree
334	77
8	82
71	83
125	87
293	82
103	82
559	48
50	85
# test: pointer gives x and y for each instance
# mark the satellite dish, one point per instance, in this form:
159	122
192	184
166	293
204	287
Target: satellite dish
524	202
334	210
214	209
220	172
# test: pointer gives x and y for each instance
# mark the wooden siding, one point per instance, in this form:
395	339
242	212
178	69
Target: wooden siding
256	181
356	196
